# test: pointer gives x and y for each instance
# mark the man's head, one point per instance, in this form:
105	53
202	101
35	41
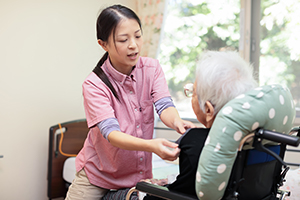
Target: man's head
220	77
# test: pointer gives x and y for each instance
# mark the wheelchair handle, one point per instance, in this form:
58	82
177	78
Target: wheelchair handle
278	137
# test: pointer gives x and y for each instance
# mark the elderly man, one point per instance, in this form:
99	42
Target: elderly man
220	77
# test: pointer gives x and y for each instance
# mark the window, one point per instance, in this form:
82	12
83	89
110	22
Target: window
280	46
192	26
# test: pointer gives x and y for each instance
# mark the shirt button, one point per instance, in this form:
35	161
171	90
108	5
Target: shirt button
130	92
141	172
141	159
137	126
135	110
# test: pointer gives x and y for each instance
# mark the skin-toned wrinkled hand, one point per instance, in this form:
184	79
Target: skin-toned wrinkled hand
155	181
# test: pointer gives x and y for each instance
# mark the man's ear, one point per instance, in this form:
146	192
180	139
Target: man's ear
103	44
209	112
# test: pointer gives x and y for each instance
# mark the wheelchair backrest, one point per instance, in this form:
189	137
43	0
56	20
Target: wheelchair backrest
269	107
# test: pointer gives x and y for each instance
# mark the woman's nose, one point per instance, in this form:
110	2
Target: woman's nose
132	44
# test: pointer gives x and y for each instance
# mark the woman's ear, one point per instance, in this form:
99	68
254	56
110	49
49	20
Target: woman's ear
209	113
103	44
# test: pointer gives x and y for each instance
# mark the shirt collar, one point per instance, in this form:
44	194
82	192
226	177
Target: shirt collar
116	74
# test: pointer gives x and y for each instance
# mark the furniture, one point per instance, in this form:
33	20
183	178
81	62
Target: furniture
65	141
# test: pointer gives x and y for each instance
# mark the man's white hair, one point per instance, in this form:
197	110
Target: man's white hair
222	76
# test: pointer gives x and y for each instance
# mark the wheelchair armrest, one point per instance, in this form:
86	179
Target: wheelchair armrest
161	191
278	137
296	130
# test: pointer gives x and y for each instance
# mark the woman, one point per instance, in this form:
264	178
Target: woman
118	99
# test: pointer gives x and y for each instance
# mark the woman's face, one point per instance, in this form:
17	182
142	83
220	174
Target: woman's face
124	50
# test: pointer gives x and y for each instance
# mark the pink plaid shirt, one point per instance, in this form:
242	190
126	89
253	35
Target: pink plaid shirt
107	166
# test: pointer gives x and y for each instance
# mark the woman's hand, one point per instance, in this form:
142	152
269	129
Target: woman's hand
171	119
182	125
165	149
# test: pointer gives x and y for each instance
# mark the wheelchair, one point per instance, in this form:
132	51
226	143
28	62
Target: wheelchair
250	135
245	180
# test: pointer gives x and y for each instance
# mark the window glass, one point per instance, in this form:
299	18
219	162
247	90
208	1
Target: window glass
192	26
280	45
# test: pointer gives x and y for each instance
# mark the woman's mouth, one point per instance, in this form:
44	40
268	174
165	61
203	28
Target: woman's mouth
133	56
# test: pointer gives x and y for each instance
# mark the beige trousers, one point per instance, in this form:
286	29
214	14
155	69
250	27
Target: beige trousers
82	189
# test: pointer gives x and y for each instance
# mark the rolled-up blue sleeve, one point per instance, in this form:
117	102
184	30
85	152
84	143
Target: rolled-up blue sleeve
107	126
162	104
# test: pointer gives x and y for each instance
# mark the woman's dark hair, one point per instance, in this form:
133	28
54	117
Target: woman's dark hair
107	22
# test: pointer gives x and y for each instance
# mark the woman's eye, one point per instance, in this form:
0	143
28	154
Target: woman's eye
138	36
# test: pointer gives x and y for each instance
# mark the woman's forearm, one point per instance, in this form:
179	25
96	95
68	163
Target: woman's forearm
169	117
163	148
128	142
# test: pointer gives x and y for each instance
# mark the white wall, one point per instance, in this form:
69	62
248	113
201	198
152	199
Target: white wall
47	48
